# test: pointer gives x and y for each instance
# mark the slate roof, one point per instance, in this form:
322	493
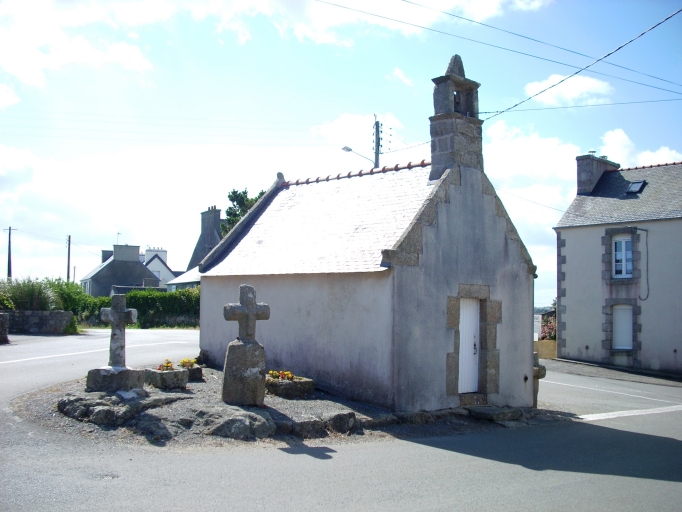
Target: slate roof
191	276
337	224
157	257
608	203
96	270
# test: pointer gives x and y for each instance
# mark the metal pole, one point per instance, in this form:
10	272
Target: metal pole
377	141
68	261
9	254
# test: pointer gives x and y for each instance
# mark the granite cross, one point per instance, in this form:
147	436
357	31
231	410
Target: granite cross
119	316
247	312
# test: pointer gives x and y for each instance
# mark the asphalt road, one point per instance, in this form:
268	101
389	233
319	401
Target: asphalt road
623	462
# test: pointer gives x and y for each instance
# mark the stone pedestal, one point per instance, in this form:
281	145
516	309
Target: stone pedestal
112	379
244	378
4	328
171	379
539	372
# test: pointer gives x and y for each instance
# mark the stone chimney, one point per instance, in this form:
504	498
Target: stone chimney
590	169
455	128
209	237
127	252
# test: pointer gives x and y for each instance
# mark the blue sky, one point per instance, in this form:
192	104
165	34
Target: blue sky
132	117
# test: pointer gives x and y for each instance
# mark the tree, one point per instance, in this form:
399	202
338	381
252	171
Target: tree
241	203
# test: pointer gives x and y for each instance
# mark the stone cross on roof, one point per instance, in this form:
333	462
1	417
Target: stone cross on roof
118	315
247	312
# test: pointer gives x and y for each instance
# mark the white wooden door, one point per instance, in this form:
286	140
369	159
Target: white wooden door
469	345
622	327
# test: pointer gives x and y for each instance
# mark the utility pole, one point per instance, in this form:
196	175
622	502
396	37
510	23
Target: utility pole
377	141
68	260
9	253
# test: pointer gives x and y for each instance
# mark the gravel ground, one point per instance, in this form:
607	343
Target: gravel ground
40	407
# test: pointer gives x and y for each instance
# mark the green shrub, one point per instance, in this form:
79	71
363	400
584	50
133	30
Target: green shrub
33	295
89	312
155	309
5	299
71	295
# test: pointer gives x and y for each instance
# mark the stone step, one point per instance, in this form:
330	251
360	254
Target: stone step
492	413
472	399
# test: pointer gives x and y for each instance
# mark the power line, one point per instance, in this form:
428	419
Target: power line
589	65
534	40
160	141
493	45
408	147
585	106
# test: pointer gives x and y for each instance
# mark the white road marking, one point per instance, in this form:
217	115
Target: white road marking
607	391
623	414
91	351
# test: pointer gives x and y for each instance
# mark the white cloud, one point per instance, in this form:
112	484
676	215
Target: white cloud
663	155
44	34
578	90
535	179
133	35
398	74
620	149
7	96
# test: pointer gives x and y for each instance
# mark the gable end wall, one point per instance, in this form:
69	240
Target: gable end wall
469	242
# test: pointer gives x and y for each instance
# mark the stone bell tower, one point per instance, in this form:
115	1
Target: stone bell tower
455	127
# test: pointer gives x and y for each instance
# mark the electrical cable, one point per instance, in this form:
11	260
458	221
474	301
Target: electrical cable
584	106
534	40
588	66
494	45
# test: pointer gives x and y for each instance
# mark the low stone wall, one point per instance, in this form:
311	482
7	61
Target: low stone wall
39	322
546	349
4	327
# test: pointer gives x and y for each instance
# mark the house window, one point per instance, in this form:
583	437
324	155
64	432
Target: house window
622	327
622	256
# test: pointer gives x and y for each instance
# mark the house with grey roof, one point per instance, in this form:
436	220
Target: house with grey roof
155	259
405	286
618	252
119	268
189	279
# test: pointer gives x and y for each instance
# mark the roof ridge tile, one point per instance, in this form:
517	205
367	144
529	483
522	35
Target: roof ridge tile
361	172
645	167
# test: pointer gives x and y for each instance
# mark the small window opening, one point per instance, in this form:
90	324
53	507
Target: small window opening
635	187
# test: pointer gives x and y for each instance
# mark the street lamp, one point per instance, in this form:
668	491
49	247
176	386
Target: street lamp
349	150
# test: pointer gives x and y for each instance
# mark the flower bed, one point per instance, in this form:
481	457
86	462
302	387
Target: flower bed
287	385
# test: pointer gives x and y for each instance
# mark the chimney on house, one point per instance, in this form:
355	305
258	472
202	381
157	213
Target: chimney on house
590	169
456	135
209	236
127	252
106	255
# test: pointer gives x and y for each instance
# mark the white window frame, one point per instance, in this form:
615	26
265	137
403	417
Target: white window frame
624	240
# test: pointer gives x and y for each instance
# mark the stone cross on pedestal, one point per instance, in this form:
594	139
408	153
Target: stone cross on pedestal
246	312
244	372
117	376
118	315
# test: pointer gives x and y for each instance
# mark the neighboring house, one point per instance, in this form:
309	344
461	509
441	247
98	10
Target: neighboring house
155	260
619	248
190	279
407	286
208	238
120	267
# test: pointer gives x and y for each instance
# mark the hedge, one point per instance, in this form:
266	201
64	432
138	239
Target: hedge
155	309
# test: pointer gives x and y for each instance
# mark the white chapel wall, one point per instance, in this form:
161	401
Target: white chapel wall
468	244
303	333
